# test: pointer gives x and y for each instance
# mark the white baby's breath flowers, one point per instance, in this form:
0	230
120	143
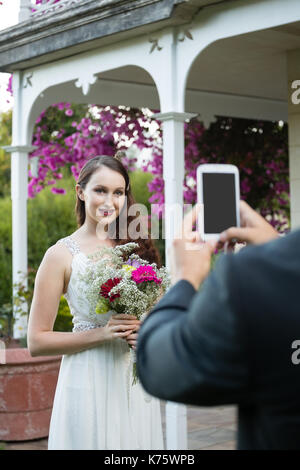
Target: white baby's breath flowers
135	299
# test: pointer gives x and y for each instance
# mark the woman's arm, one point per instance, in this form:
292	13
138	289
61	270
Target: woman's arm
48	288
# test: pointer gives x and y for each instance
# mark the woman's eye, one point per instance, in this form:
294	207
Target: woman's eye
102	190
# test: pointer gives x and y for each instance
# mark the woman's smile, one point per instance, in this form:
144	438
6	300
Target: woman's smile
106	213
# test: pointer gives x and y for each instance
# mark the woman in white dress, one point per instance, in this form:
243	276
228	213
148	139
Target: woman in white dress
95	405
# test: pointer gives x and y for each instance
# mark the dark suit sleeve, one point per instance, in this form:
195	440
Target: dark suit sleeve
192	348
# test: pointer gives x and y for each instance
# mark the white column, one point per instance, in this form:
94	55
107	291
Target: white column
293	63
173	174
173	166
19	194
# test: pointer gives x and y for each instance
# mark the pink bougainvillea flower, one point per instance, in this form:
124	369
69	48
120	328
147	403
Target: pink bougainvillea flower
58	191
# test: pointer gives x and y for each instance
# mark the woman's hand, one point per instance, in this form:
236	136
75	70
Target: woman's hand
121	326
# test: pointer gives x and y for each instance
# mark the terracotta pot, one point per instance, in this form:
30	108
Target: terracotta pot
27	387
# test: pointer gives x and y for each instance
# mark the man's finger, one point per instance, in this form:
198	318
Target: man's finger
194	236
238	234
124	316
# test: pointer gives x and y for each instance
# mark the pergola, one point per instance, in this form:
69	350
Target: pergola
238	58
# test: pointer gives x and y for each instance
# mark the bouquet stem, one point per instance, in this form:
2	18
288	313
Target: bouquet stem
134	373
134	367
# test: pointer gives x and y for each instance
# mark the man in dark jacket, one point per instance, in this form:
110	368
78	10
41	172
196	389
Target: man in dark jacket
235	340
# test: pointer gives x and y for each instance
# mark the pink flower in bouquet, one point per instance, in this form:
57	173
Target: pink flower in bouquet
107	286
144	274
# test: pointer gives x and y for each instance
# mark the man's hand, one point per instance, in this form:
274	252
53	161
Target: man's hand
189	255
254	228
132	338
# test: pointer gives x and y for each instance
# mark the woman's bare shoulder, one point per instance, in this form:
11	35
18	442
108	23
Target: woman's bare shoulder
58	253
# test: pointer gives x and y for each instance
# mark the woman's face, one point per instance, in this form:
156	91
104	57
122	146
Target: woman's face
104	195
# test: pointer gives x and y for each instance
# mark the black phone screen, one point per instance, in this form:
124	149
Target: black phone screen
219	200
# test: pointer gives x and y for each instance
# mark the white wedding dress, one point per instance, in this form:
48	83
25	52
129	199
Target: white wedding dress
95	405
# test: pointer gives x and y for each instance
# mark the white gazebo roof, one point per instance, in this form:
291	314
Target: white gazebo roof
238	66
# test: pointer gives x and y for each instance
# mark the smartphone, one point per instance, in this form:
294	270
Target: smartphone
218	189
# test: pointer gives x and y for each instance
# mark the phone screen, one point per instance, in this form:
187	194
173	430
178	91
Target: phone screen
219	200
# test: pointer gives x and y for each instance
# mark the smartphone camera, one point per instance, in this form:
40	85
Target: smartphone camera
219	191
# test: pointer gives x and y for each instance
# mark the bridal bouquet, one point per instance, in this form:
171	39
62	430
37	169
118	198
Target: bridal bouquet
131	286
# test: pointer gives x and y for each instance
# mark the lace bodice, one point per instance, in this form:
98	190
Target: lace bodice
83	313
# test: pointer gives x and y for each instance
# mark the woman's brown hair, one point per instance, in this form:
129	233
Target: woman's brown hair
146	250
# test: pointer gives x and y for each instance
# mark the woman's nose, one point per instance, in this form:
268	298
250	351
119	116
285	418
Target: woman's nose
109	199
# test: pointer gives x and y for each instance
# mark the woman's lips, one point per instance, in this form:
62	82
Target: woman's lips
106	213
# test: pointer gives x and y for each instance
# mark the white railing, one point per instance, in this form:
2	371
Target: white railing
29	8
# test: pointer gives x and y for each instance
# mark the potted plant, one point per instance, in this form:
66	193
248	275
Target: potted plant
27	383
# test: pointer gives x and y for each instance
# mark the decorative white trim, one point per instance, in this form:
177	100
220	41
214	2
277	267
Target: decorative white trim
155	44
19	148
85	82
207	119
27	80
175	116
34	161
50	6
185	33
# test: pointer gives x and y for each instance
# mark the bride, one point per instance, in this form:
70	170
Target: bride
95	405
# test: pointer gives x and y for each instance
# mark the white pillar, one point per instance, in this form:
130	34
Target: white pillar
293	63
19	194
173	165
173	174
